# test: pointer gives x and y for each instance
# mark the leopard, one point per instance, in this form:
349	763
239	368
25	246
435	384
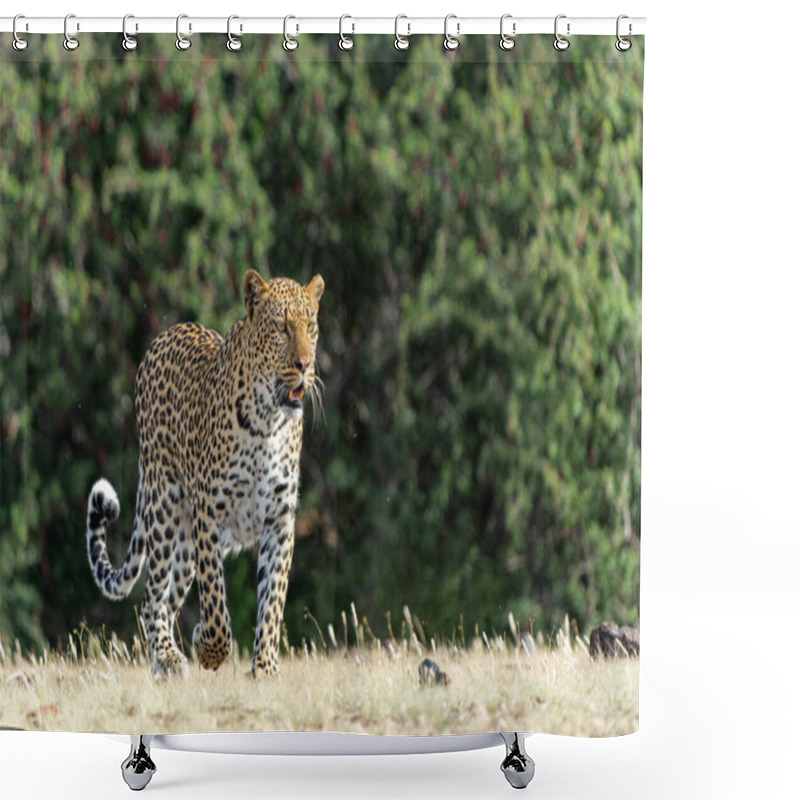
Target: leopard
220	431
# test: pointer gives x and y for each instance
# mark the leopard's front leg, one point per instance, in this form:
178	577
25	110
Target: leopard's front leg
274	562
212	639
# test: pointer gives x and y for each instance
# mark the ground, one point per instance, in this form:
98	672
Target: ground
495	685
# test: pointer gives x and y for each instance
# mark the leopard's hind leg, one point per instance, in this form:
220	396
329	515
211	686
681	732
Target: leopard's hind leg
166	518
183	569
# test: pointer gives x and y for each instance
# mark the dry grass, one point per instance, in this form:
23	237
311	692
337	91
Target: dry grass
505	682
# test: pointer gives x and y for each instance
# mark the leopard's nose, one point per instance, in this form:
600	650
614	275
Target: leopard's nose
302	364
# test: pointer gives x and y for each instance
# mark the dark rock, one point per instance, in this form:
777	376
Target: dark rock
429	672
609	641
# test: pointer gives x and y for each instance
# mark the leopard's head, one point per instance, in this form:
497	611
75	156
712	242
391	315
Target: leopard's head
282	316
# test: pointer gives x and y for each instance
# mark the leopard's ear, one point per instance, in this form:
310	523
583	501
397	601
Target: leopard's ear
254	288
315	289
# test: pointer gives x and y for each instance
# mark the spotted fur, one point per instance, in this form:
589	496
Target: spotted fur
220	429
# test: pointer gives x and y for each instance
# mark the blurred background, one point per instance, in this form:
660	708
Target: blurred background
477	220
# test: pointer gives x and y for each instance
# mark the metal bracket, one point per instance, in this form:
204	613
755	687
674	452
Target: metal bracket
138	768
517	766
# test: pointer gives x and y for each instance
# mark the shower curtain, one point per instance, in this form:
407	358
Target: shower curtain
463	552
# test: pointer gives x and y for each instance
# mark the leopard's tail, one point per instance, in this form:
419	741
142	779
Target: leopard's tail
104	508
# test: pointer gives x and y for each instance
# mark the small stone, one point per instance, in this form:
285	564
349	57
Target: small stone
49	710
429	673
608	640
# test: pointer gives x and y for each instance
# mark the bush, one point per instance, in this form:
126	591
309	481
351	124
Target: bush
478	226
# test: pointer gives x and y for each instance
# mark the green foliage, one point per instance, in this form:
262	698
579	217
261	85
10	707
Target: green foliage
478	226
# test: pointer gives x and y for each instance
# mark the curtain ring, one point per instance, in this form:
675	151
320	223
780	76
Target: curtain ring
506	42
181	42
128	42
401	42
19	44
289	42
70	42
560	42
451	42
623	44
233	44
345	42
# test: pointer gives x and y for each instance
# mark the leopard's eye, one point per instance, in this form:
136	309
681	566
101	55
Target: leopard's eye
312	326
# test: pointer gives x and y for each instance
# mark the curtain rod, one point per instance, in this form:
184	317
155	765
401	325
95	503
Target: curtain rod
402	26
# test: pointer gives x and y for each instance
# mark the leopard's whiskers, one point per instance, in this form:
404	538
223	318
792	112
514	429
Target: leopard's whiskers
315	390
